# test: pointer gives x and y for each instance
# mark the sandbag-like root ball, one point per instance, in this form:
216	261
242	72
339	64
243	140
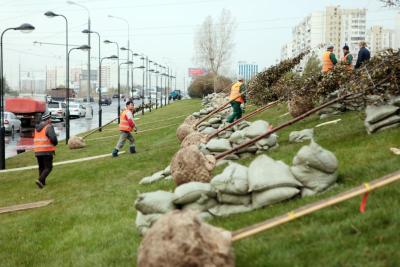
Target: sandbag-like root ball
183	131
76	142
299	105
190	165
195	138
180	239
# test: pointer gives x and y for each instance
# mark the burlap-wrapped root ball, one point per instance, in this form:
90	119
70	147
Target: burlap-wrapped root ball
183	131
180	239
191	120
76	142
190	165
299	105
195	138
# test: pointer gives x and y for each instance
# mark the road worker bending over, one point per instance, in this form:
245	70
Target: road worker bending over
236	98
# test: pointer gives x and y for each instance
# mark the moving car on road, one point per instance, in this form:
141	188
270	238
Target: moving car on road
105	100
76	110
57	110
11	123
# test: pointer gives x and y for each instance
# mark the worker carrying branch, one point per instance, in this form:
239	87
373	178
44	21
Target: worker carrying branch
347	58
44	146
328	60
126	126
237	98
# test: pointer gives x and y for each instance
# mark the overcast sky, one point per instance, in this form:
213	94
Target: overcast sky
162	29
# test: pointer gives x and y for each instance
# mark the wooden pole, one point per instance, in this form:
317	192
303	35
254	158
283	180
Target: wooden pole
26	206
261	109
313	207
273	130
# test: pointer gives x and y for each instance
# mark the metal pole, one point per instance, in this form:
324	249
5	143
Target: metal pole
169	83
156	68
67	122
132	68
161	90
119	87
88	108
144	69
100	110
2	128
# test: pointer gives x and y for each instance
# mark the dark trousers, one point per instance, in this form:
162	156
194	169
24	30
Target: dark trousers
45	166
237	112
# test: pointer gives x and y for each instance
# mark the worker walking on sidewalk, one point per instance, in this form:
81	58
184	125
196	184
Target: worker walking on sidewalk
347	58
328	60
237	98
126	126
44	146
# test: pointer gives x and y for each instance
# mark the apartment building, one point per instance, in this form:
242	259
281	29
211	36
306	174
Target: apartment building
334	25
379	38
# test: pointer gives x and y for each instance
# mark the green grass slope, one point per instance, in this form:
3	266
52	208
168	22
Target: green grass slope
91	222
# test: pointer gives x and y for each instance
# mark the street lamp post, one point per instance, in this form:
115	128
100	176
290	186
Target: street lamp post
25	28
98	35
156	73
67	128
88	107
119	78
51	14
100	109
144	71
127	23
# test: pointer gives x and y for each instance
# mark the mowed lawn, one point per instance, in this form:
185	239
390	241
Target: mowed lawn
91	221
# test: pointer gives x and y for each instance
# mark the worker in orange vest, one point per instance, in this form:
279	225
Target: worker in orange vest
237	98
347	58
126	126
44	146
328	60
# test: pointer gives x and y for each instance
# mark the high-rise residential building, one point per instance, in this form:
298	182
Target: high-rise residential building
105	76
247	70
397	30
379	38
333	26
286	51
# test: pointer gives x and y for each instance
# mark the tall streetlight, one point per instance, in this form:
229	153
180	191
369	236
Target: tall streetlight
100	109
25	28
88	108
119	78
133	68
129	63
144	71
127	23
156	72
67	130
86	31
161	84
51	14
133	55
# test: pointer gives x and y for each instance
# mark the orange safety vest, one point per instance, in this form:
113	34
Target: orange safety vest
41	143
235	92
123	122
344	60
327	64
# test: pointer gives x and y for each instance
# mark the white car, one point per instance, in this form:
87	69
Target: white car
76	110
57	110
11	123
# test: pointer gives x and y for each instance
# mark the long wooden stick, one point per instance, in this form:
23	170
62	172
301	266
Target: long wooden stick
98	128
25	206
261	109
273	130
313	207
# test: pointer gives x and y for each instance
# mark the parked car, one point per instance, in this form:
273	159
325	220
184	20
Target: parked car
106	100
76	110
57	110
115	96
11	123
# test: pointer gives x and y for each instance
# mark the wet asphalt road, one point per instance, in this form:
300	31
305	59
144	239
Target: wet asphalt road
80	125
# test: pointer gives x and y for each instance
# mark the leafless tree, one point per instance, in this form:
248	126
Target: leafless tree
214	42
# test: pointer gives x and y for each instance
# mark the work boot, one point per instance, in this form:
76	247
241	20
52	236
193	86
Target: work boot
39	184
132	149
115	153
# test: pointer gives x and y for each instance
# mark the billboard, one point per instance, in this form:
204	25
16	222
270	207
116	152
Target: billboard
194	72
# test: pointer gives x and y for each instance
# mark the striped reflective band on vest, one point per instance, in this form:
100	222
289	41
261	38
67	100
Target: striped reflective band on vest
124	123
235	93
327	63
41	143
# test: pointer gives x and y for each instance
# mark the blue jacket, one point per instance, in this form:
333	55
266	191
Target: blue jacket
363	55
